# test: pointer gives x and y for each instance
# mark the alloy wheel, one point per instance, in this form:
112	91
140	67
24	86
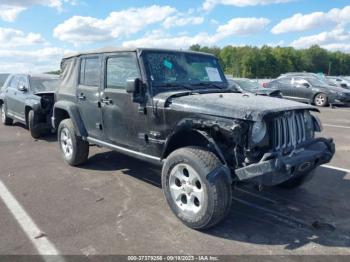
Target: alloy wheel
320	100
3	115
186	189
66	143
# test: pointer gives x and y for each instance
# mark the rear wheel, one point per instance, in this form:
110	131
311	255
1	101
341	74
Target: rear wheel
298	181
75	150
34	129
4	119
321	100
197	202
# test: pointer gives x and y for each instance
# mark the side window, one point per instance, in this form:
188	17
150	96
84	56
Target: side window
23	81
298	81
90	71
14	82
284	81
120	69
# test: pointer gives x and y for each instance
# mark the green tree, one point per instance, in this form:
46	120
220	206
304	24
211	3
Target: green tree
254	62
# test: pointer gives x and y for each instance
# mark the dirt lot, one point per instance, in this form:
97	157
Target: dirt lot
114	205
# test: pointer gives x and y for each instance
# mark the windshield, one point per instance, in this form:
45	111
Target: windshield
169	69
43	84
248	85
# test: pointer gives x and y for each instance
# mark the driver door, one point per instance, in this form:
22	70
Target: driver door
10	93
20	97
124	123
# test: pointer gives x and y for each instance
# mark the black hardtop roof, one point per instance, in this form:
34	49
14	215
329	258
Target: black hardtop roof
139	50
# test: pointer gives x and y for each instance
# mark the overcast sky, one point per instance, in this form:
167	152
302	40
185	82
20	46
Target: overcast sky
34	34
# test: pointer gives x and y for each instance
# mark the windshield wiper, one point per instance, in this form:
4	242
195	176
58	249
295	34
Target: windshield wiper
208	84
188	87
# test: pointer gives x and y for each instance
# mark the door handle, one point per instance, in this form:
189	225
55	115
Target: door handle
106	101
81	97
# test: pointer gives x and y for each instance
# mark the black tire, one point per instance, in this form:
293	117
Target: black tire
217	193
321	100
33	126
298	181
79	151
5	120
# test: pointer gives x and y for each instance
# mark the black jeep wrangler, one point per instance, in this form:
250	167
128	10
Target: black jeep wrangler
175	108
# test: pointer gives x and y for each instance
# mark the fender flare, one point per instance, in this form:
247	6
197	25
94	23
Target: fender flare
203	134
74	114
216	173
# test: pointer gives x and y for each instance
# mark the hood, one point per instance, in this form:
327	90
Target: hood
230	105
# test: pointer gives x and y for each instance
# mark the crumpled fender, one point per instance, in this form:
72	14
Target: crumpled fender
183	126
222	170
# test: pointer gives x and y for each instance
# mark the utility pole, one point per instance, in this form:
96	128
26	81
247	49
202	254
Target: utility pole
329	68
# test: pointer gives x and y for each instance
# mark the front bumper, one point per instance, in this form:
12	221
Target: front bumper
339	100
274	168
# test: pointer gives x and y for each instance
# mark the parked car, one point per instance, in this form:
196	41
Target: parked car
245	85
310	89
319	76
339	81
175	109
29	99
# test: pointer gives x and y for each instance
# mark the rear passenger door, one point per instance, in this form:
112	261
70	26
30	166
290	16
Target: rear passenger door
88	94
284	84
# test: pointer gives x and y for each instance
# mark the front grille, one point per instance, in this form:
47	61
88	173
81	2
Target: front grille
345	98
289	130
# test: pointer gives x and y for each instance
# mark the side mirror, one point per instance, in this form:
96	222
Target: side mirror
22	88
133	85
306	85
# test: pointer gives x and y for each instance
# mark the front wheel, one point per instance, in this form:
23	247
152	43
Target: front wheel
75	150
197	202
321	100
298	181
4	119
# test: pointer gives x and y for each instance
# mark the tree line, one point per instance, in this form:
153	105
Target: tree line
270	62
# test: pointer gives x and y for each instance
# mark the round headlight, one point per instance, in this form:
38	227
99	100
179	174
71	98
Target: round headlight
258	132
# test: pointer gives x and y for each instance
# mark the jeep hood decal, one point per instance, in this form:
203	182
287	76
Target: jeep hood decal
231	105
